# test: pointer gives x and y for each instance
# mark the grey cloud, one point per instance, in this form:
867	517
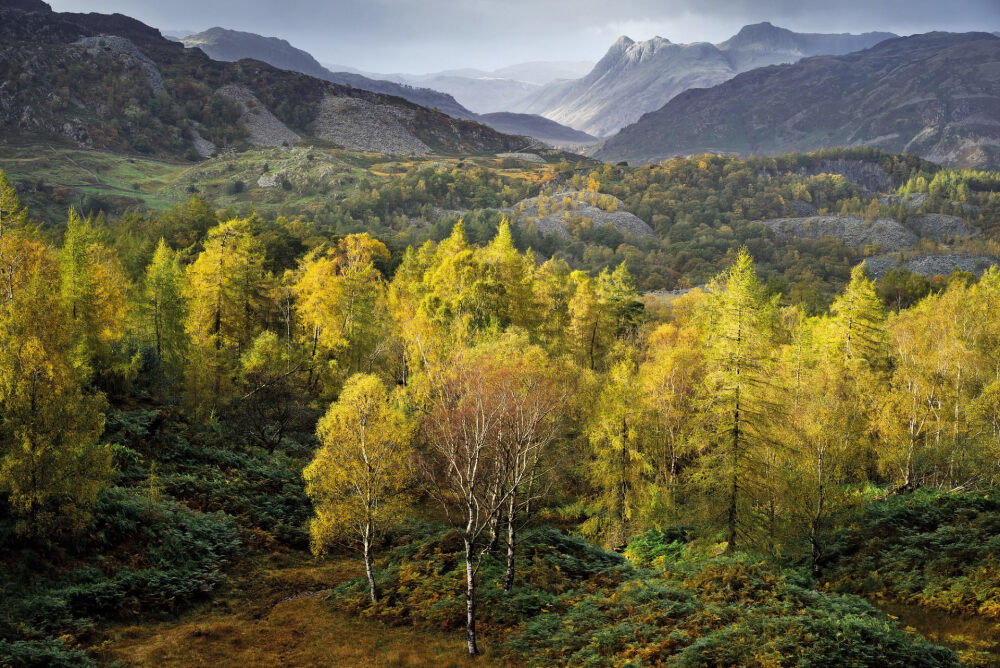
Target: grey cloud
427	35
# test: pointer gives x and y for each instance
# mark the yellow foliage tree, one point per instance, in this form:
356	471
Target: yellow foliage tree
360	475
227	292
51	464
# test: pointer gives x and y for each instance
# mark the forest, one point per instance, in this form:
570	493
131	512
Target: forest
533	454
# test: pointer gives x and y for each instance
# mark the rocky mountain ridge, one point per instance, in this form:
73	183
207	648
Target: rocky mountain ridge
111	82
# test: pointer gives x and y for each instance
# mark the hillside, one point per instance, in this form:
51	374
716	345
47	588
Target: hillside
232	45
537	127
936	95
110	82
637	77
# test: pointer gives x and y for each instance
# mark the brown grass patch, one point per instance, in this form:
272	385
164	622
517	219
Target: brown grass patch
278	615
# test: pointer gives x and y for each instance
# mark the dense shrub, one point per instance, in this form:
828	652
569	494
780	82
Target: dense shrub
736	611
41	654
138	557
574	604
423	579
929	548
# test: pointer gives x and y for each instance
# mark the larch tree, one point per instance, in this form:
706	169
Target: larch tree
669	379
94	290
620	465
589	323
227	290
360	476
12	215
737	404
506	274
832	365
51	462
164	310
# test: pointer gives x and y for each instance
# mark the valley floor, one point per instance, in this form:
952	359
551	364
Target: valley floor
277	615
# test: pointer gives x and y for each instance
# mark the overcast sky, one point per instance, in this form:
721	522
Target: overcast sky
429	35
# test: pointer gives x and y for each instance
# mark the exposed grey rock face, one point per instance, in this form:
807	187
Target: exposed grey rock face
265	128
638	77
912	201
526	157
886	234
557	213
128	54
931	265
941	227
936	95
202	146
363	126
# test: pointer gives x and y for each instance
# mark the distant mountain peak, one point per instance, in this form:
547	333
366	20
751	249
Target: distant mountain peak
765	33
623	42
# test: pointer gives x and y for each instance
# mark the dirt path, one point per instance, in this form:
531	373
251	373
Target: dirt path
281	617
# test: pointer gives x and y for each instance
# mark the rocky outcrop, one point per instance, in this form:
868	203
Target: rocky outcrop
126	53
364	126
264	127
886	234
931	265
940	227
867	175
552	215
202	146
523	157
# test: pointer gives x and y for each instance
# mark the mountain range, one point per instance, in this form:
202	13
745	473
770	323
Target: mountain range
638	77
491	91
231	45
936	95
